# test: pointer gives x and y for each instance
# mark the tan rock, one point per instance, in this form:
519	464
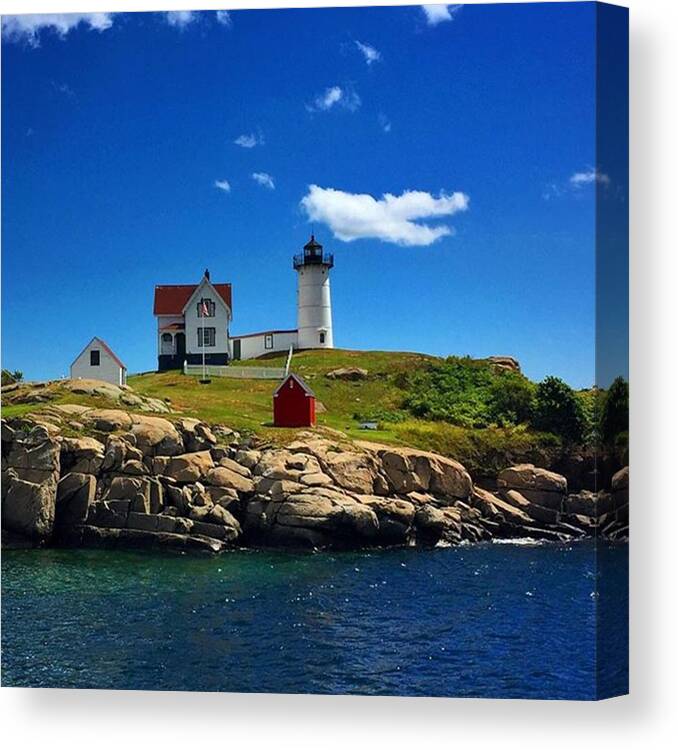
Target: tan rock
229	463
220	476
190	467
156	436
107	420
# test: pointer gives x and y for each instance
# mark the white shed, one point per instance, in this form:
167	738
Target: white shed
97	361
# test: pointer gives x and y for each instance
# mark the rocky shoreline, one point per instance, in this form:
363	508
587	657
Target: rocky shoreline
140	481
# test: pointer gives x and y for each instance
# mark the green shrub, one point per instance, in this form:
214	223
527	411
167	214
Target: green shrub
558	410
12	377
468	393
614	418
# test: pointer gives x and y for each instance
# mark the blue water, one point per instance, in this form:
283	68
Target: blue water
488	620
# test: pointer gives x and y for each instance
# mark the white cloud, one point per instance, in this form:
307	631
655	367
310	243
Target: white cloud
263	179
224	185
436	14
392	218
27	28
369	52
224	18
248	140
589	176
385	123
335	96
180	18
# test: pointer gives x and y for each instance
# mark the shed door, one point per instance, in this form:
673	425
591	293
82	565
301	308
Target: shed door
236	349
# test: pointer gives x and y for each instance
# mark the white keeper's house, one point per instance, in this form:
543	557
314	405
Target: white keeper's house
194	319
97	361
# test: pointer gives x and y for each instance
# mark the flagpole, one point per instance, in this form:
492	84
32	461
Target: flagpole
202	315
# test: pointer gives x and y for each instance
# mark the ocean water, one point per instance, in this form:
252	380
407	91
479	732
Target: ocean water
491	620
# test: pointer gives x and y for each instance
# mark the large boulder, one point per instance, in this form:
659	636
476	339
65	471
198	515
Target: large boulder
82	455
28	508
31	469
156	436
410	470
107	420
190	467
221	476
347	373
394	516
197	435
542	487
75	493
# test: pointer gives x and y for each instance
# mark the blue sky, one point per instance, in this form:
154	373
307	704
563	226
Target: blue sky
139	149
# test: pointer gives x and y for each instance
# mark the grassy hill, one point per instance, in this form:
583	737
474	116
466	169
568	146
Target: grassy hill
468	409
246	405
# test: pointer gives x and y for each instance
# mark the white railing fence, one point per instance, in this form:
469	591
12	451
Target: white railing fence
229	371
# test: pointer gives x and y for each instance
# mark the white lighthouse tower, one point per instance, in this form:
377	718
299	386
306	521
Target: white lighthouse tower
314	307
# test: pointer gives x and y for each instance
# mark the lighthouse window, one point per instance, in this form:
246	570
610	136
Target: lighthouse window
94	358
268	341
322	338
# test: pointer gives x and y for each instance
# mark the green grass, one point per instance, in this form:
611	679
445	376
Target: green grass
246	405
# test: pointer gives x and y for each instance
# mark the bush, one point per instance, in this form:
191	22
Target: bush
614	419
468	393
12	377
511	399
558	410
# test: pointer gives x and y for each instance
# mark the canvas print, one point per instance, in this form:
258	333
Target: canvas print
315	350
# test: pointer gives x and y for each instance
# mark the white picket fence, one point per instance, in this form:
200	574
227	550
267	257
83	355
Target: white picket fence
229	371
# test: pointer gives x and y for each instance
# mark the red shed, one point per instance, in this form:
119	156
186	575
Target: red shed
293	403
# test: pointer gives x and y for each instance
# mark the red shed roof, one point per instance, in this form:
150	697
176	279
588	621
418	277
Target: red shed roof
171	299
299	380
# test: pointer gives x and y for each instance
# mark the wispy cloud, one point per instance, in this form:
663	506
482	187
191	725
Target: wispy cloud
370	54
589	176
27	28
63	88
384	123
223	185
224	18
391	218
436	14
576	183
264	179
180	18
249	140
335	96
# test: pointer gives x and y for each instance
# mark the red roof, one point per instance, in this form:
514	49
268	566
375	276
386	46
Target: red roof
299	380
171	300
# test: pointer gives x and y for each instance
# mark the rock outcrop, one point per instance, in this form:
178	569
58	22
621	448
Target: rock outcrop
145	481
347	373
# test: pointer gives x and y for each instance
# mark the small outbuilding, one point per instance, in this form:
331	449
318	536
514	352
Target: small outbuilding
97	361
293	403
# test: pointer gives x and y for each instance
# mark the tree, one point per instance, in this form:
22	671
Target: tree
558	410
511	399
615	415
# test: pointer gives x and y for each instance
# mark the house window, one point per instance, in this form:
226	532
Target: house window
322	337
206	308
268	341
94	358
210	337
